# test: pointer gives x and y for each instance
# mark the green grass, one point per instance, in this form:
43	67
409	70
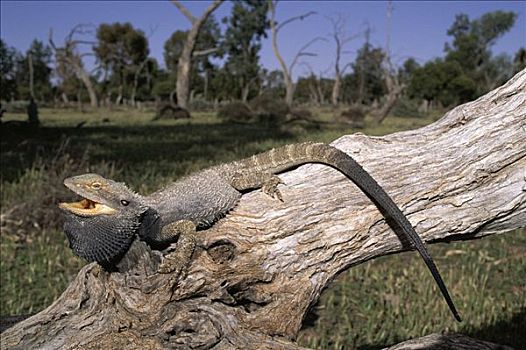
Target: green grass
372	305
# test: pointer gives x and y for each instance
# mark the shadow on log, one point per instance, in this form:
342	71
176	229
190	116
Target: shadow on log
259	269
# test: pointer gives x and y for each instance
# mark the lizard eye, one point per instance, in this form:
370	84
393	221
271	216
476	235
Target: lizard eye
96	185
124	202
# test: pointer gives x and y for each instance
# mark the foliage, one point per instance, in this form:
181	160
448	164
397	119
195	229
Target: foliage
41	60
8	59
472	40
519	61
247	25
121	50
407	70
313	89
269	108
365	84
407	108
442	81
468	70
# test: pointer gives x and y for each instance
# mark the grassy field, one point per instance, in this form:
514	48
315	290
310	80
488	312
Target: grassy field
370	306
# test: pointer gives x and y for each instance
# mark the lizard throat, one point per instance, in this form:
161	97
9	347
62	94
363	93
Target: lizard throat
87	207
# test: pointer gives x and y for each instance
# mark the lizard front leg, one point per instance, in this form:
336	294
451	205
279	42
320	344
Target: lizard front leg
178	260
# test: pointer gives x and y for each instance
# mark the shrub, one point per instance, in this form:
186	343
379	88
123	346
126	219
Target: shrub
166	110
300	114
236	111
354	116
269	108
406	108
201	105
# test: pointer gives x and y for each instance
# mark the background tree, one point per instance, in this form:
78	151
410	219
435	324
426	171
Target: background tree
184	64
273	83
519	60
341	38
393	85
68	83
39	57
365	84
406	71
468	68
8	64
121	50
287	70
247	25
70	55
202	69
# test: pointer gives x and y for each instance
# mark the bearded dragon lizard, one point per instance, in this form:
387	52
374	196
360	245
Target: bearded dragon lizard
103	226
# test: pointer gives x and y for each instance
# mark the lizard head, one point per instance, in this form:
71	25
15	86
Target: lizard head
101	196
102	226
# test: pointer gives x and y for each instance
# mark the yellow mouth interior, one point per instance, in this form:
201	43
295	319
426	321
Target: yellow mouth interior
87	207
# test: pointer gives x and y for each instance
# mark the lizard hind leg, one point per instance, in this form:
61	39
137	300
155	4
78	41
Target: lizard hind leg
270	187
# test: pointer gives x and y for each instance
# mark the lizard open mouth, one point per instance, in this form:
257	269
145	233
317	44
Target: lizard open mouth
87	207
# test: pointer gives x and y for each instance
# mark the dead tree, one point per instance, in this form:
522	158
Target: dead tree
394	90
69	55
259	269
184	64
341	39
287	70
392	82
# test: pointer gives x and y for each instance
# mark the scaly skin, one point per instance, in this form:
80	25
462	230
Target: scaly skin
173	213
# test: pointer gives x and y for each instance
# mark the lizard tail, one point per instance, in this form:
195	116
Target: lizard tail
251	170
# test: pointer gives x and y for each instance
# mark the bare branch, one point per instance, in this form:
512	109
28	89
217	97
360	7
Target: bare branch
211	8
87	54
295	18
50	39
204	52
348	65
301	52
341	38
184	11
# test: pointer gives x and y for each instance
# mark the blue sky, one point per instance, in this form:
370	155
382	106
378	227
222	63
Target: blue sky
418	28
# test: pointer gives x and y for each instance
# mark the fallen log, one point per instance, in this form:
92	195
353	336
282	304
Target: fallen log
260	269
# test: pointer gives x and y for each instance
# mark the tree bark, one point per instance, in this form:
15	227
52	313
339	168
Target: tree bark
184	65
259	269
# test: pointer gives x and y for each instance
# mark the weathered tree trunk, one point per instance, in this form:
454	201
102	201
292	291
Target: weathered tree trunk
260	268
447	342
31	76
86	80
184	65
335	96
394	90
